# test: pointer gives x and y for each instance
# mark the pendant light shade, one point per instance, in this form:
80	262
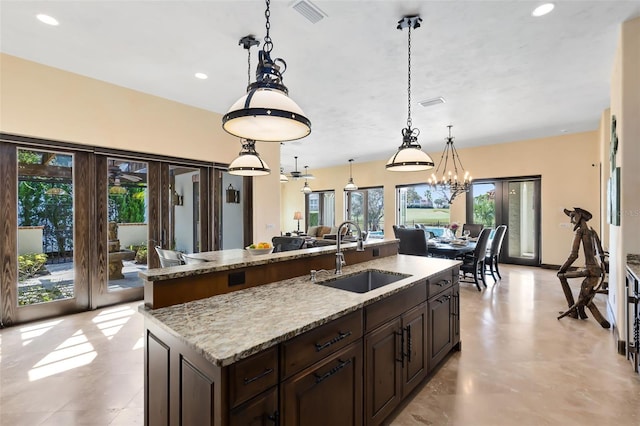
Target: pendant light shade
283	177
409	157
248	162
266	112
306	189
350	186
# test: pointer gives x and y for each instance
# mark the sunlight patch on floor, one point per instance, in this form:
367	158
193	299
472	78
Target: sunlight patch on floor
110	321
139	344
28	333
74	352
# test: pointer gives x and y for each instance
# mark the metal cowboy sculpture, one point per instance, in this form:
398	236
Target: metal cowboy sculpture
593	272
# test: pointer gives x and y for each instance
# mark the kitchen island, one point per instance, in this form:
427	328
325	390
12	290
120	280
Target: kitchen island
294	352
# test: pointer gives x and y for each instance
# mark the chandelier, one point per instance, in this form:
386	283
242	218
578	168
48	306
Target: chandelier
266	113
450	181
409	157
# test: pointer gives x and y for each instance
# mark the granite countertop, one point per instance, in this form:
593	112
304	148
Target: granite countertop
229	327
224	260
633	263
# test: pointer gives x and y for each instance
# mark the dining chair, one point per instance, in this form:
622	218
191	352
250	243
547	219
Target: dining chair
285	243
169	257
412	241
473	228
473	263
493	252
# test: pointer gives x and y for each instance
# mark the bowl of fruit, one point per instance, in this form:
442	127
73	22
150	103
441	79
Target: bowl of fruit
260	248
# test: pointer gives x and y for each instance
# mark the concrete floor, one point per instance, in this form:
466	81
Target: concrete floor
518	366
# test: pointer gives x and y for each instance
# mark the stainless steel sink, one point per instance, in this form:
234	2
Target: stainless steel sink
364	281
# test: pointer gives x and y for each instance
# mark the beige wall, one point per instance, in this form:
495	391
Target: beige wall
45	102
625	105
566	164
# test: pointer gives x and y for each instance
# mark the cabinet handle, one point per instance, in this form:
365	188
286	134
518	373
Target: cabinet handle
259	376
444	299
409	342
402	354
333	371
443	283
340	336
275	417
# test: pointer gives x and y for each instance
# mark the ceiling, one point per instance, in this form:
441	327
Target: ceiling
504	74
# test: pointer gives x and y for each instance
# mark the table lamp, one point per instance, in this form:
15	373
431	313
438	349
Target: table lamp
297	216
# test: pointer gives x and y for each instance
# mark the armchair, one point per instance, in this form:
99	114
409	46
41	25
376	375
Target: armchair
412	241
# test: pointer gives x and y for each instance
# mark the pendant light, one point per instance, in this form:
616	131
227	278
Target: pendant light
266	113
350	186
409	157
248	162
283	177
306	189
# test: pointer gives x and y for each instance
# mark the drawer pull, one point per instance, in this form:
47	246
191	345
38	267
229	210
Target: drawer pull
259	376
444	299
443	283
333	371
409	343
275	417
336	339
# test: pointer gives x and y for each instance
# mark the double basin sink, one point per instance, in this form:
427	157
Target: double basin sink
364	281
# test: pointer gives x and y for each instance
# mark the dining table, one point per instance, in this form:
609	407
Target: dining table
450	250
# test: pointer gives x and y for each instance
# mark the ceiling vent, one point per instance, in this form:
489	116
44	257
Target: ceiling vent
309	11
431	102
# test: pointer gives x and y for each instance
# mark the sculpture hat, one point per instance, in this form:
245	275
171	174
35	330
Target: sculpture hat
582	212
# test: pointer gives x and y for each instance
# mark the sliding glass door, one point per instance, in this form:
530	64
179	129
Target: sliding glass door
514	202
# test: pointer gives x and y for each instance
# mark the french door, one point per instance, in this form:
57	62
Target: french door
514	202
79	223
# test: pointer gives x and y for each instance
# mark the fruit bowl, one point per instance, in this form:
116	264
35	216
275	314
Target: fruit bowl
256	251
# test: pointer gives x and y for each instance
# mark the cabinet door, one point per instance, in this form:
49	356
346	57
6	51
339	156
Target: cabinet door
261	410
414	327
327	393
440	327
383	371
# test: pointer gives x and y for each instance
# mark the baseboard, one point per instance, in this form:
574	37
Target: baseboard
621	343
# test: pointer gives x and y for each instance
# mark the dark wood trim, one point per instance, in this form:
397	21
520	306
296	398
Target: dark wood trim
154	231
216	196
205	209
83	184
247	213
99	270
8	233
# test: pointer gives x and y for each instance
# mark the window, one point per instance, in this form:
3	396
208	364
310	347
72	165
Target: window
366	208
421	204
321	208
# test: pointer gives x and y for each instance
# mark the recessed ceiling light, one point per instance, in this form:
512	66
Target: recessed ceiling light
201	76
49	20
543	9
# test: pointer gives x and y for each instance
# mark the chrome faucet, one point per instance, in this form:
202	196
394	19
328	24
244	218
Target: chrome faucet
339	255
314	274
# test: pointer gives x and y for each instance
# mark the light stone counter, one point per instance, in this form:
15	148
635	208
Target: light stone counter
224	260
233	326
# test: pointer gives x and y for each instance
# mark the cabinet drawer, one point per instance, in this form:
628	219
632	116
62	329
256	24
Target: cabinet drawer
304	350
442	281
253	375
393	306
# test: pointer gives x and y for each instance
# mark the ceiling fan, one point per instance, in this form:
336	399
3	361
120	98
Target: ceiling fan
295	174
116	174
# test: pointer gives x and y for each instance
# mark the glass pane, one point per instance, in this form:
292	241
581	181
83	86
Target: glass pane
423	205
314	209
185	209
45	227
127	222
375	212
521	220
484	204
355	208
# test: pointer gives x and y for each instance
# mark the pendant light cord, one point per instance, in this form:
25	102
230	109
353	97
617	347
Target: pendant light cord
409	81
268	44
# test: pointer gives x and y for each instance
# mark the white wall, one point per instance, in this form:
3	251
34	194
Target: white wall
184	214
232	217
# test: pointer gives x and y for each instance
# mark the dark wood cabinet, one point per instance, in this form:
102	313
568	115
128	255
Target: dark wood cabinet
440	326
259	411
414	355
455	314
327	393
